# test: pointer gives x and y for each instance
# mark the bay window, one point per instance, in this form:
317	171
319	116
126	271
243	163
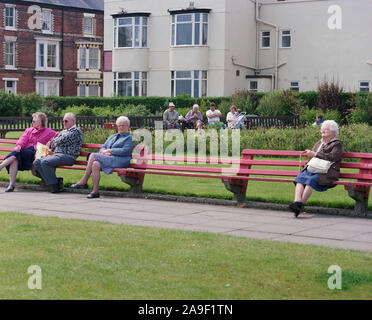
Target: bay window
130	32
189	29
130	83
193	83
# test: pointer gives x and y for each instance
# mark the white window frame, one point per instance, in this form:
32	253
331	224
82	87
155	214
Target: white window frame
262	36
290	35
362	86
45	44
250	85
294	86
50	29
45	83
13	27
193	22
87	87
133	79
142	25
14	80
91	18
202	78
10	66
88	58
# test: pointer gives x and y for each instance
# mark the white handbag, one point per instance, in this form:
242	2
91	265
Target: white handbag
316	165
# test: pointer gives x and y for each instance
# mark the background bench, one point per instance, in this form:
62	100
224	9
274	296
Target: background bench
235	179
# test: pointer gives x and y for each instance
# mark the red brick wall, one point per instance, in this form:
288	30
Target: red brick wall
26	48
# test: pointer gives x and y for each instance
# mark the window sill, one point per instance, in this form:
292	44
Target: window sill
11	28
10	68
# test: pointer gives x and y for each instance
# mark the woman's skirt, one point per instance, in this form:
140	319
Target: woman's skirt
107	163
25	158
310	179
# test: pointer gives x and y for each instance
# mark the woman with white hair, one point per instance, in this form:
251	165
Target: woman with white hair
328	148
116	152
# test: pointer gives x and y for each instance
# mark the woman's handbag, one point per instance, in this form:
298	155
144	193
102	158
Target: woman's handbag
316	165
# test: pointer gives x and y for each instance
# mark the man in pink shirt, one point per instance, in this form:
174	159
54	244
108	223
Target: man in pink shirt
24	152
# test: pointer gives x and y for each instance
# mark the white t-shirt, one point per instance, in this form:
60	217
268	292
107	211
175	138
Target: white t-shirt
215	119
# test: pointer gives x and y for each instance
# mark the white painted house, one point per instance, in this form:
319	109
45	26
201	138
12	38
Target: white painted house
214	47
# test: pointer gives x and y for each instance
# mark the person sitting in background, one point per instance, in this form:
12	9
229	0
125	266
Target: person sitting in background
65	148
24	152
319	120
170	117
328	148
231	117
194	118
240	119
116	152
214	115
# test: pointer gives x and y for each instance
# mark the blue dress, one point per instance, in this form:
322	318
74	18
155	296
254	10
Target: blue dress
121	146
25	158
312	179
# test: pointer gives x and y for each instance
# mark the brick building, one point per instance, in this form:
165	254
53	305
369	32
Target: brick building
53	47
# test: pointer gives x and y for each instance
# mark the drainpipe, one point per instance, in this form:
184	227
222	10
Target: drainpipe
62	51
258	19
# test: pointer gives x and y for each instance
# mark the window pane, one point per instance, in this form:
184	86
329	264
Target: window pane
197	17
93	58
197	34
93	91
205	34
46	20
137	36
9	17
183	74
125	37
184	34
144	88
41	88
183	86
51	88
82	90
124	75
83	57
125	21
9	53
204	88
144	36
196	88
51	63
136	88
88	25
41	55
125	88
184	18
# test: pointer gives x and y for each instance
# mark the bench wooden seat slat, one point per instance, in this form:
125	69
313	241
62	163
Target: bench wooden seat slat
236	178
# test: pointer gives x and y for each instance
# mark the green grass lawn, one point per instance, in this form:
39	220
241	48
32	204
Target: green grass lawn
96	260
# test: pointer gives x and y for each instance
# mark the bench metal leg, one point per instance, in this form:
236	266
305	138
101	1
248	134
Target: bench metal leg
361	204
238	189
134	182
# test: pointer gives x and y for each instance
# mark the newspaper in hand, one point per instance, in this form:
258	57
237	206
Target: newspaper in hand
41	151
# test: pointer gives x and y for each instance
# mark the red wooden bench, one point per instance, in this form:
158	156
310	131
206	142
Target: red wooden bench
357	184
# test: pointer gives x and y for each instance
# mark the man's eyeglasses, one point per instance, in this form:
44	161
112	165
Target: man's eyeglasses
65	121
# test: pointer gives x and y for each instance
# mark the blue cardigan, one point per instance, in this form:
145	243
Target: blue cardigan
121	149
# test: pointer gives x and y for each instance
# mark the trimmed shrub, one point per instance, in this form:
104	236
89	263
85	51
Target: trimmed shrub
362	113
280	103
242	100
10	104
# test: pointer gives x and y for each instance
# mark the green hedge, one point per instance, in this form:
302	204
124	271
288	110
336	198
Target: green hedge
355	138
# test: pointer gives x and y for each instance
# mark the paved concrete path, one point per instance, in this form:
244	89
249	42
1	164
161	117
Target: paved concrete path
317	229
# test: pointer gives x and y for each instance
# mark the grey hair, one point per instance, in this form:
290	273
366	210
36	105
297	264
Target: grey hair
73	117
331	125
123	119
41	116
